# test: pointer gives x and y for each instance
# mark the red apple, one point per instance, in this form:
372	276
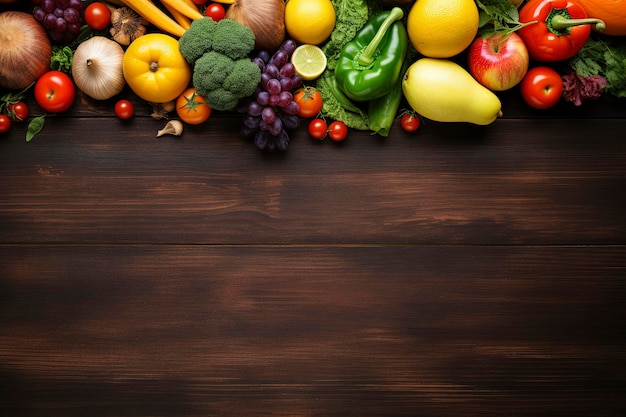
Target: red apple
498	61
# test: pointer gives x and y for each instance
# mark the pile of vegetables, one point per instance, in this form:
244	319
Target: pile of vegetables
169	52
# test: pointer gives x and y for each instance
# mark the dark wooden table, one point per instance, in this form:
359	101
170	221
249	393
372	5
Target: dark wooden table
461	271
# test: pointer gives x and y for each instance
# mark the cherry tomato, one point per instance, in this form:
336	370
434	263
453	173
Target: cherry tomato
337	131
215	11
97	16
18	112
541	87
318	128
124	109
410	122
309	100
5	123
199	2
54	91
192	108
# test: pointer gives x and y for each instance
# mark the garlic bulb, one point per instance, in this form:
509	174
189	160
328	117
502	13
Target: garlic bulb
97	68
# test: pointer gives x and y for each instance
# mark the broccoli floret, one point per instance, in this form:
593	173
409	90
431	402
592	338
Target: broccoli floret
221	99
233	39
210	72
222	71
238	80
197	40
223	81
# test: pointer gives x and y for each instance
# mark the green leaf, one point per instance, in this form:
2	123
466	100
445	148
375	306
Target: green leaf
61	59
603	56
34	127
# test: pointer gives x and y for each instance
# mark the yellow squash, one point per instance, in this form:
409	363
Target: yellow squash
155	69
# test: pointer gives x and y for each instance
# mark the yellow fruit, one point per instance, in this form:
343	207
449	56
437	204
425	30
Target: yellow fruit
443	91
309	21
309	61
155	69
442	28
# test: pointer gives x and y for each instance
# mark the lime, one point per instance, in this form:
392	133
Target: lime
309	61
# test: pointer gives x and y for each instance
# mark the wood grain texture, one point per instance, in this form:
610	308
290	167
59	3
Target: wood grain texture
377	330
512	182
463	271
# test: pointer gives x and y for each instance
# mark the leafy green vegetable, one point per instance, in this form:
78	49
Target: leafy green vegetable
351	15
62	57
603	56
337	106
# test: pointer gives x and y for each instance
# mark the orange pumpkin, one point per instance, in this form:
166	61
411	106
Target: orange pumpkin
612	12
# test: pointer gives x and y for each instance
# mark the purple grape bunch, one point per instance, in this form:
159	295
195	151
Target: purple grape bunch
271	111
61	19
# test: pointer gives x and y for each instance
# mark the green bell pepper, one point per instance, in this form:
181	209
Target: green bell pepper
369	65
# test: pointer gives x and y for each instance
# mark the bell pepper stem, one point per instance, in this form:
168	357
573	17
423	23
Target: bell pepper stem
367	55
560	22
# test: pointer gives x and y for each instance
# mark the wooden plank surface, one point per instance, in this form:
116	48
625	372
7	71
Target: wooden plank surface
513	182
299	330
463	271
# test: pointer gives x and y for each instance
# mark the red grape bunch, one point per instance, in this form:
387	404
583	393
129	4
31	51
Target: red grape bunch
62	19
272	109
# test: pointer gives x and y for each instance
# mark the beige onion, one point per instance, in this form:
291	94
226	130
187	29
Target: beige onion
97	68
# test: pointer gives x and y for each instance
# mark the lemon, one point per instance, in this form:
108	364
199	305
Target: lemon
309	21
442	28
309	61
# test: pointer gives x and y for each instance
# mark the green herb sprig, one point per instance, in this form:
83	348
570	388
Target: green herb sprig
603	56
498	16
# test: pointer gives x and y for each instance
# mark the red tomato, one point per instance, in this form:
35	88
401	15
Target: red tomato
318	128
97	16
337	131
55	91
309	100
410	122
192	108
199	2
5	123
18	111
541	87
215	11
124	109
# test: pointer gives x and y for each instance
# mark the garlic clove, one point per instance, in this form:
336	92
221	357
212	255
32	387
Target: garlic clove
173	127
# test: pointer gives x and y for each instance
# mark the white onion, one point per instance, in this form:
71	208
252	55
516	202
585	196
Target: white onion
97	68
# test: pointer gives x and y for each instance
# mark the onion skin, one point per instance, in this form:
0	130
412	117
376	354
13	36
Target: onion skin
26	50
97	68
266	19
